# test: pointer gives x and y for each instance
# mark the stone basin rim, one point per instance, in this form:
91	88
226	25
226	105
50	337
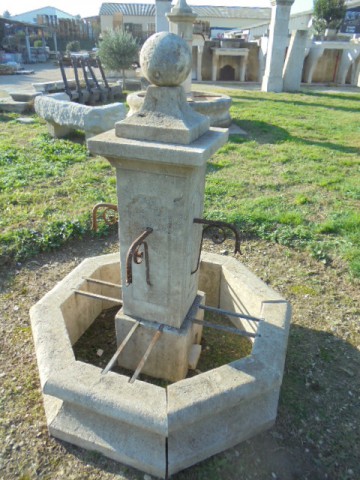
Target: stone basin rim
245	389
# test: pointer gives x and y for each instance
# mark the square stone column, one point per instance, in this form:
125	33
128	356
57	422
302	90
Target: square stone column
160	189
278	41
160	155
181	22
160	186
162	7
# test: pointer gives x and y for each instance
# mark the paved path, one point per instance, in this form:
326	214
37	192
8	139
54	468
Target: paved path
47	72
44	72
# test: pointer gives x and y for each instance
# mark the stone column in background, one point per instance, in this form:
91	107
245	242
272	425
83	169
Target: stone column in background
295	61
162	8
181	20
200	50
349	58
278	41
312	59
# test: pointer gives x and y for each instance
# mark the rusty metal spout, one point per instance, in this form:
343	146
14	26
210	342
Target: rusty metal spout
135	255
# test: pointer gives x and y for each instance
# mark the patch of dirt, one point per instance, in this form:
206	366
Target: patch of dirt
317	433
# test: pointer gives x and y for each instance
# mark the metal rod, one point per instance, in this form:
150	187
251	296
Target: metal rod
63	74
86	78
74	63
92	73
133	254
102	73
146	354
227	312
102	282
108	221
96	296
224	328
218	237
120	349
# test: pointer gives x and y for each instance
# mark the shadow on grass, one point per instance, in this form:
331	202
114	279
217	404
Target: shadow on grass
311	438
338	96
305	104
263	133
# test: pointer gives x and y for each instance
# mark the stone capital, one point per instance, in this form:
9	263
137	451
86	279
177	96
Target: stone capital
284	3
165	116
181	17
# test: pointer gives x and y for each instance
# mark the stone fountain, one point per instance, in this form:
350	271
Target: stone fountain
162	288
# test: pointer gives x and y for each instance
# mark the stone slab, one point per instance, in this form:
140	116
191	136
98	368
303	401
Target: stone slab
196	154
140	404
24	96
221	430
12	106
117	440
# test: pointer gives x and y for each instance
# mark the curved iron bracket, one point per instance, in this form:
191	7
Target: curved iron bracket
109	215
135	255
218	236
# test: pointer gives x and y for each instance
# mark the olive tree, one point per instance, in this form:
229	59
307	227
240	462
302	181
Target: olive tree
118	51
73	46
328	14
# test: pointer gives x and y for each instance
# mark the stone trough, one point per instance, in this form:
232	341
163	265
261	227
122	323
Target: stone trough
160	430
63	116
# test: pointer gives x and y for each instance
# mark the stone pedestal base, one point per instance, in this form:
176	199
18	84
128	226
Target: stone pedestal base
170	357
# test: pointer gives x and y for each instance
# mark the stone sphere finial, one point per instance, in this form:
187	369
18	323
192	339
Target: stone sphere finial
165	59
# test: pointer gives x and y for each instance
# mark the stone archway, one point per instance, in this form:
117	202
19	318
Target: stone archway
227	73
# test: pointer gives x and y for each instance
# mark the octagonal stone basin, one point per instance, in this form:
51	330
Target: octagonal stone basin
159	430
214	105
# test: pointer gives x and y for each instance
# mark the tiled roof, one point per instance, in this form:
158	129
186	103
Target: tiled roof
133	9
32	14
147	9
231	12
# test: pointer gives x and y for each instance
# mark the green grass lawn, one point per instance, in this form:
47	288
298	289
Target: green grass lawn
294	179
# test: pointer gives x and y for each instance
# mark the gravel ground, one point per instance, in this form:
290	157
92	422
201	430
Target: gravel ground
317	431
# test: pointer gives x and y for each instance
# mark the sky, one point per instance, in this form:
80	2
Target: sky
87	8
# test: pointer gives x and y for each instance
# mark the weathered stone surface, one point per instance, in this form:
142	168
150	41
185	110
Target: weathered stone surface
119	149
92	120
24	96
54	86
278	42
216	107
12	106
25	120
165	116
165	59
120	441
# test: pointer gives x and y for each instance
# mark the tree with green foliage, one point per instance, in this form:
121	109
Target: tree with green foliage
118	51
328	14
73	46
